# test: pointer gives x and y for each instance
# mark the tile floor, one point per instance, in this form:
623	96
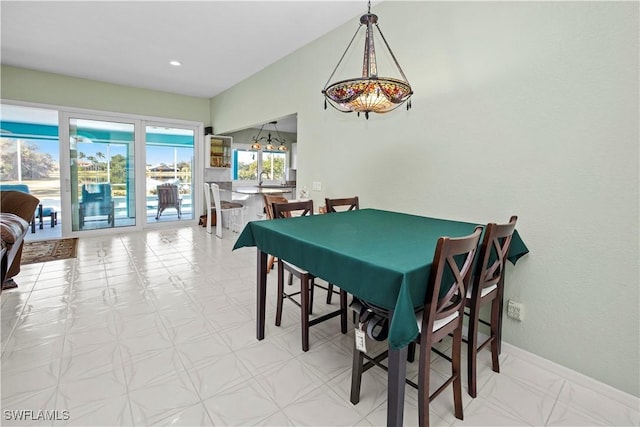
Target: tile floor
158	328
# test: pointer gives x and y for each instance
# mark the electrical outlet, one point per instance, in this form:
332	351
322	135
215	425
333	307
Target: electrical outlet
515	310
317	186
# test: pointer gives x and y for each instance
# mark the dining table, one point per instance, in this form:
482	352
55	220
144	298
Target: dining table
379	256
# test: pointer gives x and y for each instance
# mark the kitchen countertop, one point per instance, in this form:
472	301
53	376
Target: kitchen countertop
271	189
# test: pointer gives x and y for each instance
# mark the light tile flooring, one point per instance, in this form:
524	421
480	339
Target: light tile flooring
158	328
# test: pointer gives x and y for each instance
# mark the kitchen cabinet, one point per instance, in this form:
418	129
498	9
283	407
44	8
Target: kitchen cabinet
217	151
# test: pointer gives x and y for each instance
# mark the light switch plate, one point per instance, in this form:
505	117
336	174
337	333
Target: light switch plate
317	186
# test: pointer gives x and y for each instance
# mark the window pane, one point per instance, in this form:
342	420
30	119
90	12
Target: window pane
273	164
246	165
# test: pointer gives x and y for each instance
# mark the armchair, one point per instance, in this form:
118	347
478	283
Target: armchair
97	201
168	197
16	209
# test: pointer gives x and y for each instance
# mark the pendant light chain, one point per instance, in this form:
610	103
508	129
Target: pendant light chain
342	57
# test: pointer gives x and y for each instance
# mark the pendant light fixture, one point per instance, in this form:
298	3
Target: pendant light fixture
255	142
369	93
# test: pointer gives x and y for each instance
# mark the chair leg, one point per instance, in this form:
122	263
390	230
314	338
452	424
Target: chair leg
495	334
500	297
41	219
208	227
472	350
311	292
280	292
329	292
305	295
424	374
411	352
356	374
456	355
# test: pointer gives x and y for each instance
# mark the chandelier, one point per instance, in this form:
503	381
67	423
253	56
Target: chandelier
369	93
255	142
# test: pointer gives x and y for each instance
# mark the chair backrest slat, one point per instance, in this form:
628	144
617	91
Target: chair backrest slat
215	192
493	254
269	200
23	188
96	192
167	194
283	210
350	203
207	196
452	265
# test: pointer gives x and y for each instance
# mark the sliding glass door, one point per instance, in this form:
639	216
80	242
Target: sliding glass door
127	173
102	163
169	173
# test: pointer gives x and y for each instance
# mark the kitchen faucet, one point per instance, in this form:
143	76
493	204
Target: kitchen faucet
261	179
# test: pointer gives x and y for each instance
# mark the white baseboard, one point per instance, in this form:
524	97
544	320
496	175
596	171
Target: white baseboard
574	376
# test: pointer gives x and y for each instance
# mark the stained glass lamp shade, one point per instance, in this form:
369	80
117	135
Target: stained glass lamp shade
369	93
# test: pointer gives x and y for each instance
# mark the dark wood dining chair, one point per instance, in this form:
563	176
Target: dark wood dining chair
441	316
338	205
269	200
487	288
307	281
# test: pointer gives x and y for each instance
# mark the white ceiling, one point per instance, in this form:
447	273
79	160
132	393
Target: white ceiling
219	43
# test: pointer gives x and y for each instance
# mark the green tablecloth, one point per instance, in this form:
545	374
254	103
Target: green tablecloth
380	256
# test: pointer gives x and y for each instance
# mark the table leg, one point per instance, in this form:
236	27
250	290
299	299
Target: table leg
261	293
306	302
395	391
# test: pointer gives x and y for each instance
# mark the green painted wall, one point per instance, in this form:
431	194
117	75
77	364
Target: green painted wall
26	85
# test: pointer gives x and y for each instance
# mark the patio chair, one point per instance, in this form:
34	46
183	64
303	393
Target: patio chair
168	197
97	201
40	212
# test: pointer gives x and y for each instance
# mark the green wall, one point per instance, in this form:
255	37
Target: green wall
25	85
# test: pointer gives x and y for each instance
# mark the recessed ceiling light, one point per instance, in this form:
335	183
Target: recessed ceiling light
175	63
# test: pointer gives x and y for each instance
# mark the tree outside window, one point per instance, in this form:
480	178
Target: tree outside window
249	164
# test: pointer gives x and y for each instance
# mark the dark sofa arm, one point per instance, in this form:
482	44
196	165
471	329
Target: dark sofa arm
12	231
